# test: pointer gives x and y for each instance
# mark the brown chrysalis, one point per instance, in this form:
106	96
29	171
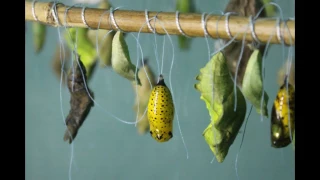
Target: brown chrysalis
80	102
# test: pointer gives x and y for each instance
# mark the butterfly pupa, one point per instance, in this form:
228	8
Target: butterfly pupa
39	35
161	112
120	59
283	110
217	91
80	101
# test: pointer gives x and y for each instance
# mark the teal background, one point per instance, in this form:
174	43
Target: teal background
108	149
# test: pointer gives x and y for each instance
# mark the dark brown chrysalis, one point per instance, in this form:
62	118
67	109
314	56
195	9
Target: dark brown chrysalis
80	101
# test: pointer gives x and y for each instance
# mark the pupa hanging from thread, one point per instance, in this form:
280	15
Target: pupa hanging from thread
161	112
80	101
282	116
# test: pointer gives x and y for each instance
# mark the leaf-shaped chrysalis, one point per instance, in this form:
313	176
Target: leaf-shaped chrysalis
217	91
120	59
252	85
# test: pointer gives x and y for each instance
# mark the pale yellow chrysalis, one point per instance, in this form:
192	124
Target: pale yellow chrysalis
143	93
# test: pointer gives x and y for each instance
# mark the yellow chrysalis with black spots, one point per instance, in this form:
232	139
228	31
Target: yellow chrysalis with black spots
161	112
283	109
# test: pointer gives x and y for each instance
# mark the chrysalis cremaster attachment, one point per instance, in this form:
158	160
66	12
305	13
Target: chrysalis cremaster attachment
80	101
282	117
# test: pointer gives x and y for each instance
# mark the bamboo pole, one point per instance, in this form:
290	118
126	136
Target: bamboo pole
190	23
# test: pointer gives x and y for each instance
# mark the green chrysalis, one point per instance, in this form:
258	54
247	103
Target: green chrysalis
217	91
39	35
252	86
121	62
85	49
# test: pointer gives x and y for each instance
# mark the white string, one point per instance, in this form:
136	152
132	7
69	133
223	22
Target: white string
178	25
33	10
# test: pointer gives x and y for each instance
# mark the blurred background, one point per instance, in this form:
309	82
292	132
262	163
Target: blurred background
108	149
